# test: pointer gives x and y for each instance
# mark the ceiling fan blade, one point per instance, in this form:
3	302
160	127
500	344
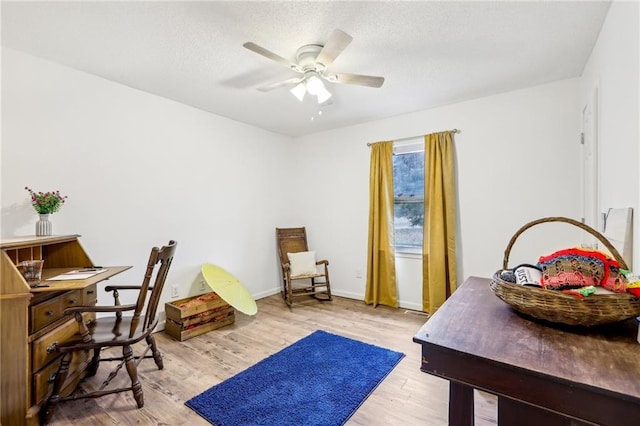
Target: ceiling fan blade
337	42
272	86
269	54
362	80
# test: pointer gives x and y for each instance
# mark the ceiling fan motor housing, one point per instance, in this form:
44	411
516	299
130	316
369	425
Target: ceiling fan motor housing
306	57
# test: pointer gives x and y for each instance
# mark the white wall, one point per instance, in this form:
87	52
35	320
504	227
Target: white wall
512	164
140	170
613	69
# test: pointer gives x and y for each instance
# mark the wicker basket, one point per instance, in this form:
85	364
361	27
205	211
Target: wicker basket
559	307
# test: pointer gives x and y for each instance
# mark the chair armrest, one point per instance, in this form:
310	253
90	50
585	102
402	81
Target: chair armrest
124	287
80	309
286	266
322	262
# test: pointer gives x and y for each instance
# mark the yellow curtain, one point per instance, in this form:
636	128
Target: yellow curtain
439	245
381	268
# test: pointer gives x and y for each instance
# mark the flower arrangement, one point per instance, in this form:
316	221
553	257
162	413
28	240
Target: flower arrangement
46	202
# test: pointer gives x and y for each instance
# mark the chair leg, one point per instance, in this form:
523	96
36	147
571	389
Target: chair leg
94	364
289	297
130	363
157	356
58	381
285	291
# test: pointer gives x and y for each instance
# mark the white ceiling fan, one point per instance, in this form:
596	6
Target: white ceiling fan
312	61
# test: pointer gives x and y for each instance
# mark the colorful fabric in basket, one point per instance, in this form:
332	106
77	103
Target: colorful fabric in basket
575	268
616	281
632	282
581	292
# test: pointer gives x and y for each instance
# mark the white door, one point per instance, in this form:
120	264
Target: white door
589	140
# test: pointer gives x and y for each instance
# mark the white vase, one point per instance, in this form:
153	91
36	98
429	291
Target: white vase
43	226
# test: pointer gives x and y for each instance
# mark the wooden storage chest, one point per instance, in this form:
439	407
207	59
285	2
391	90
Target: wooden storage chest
190	317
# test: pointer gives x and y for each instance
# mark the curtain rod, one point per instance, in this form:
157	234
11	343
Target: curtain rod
413	137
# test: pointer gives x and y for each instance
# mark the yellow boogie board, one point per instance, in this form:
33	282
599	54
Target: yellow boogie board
229	289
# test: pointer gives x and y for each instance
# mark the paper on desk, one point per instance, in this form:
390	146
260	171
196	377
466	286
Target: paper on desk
78	274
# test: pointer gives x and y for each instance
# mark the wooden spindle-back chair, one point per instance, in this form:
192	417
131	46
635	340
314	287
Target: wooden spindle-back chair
116	330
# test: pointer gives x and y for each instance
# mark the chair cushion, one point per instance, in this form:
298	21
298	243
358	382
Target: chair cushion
302	263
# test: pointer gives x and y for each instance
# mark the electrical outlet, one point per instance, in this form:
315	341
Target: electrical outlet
174	291
203	285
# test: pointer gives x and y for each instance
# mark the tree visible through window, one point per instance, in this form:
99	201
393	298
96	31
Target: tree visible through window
408	193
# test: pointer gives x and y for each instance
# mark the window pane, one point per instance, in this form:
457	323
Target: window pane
409	219
408	174
408	191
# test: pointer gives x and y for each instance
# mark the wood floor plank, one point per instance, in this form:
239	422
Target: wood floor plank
406	397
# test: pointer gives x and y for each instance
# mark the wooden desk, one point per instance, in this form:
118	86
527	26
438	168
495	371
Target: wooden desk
32	321
543	374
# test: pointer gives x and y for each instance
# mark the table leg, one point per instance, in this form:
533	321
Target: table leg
460	404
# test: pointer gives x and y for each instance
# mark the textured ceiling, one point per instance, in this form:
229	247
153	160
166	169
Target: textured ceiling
430	53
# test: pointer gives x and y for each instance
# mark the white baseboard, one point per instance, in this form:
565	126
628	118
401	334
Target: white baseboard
346	294
359	296
266	293
409	305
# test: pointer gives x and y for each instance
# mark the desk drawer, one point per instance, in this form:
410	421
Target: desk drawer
43	349
51	310
42	380
89	296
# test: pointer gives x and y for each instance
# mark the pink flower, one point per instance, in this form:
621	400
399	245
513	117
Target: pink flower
46	203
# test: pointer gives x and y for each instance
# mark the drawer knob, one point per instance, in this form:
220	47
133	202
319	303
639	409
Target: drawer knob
90	292
52	347
73	301
49	313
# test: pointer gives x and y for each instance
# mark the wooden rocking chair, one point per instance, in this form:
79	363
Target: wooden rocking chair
302	277
116	331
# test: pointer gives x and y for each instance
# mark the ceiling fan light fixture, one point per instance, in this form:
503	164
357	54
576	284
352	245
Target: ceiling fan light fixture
299	91
323	95
315	85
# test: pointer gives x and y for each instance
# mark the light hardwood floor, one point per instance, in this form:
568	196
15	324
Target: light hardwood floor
406	397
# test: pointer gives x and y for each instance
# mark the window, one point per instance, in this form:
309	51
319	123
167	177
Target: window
408	193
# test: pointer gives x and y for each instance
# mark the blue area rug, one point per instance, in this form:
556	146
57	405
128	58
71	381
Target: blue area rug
321	379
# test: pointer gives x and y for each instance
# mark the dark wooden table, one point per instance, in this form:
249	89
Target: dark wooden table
543	374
